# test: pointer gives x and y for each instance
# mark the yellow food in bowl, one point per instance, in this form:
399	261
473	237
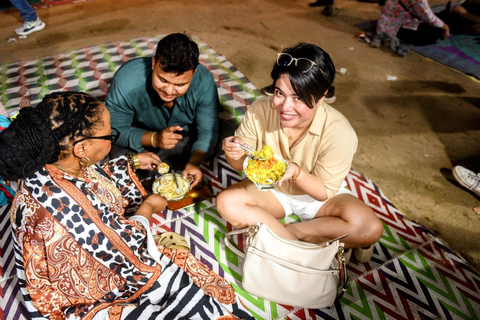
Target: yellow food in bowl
165	186
267	169
265	153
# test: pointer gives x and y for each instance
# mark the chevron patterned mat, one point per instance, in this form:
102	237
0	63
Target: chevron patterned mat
413	274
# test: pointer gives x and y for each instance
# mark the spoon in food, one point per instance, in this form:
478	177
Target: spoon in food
174	175
248	149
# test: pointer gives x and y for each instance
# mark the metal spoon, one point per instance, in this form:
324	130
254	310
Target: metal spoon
177	190
248	149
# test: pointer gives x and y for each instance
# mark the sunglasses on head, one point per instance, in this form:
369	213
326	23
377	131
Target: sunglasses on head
303	64
112	137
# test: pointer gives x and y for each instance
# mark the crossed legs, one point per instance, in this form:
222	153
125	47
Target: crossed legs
242	204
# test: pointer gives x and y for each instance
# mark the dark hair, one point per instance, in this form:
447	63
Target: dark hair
310	86
177	53
43	134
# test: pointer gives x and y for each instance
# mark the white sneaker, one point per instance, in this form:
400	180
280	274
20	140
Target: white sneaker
467	178
30	26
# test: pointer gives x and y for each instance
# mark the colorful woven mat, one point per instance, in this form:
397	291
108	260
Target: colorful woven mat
459	51
413	274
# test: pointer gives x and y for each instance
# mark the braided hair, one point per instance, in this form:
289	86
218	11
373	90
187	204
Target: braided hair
45	134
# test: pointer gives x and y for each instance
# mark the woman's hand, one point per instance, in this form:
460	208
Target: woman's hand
229	145
148	160
292	170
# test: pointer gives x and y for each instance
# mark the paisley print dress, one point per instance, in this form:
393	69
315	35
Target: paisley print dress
78	256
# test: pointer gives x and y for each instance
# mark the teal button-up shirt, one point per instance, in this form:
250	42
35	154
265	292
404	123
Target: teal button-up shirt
135	106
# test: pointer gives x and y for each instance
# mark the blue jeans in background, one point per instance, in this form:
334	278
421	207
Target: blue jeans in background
26	11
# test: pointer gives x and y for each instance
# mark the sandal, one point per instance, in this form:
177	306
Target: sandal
172	240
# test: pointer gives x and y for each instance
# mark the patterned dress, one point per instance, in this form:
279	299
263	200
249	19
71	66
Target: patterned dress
394	16
79	257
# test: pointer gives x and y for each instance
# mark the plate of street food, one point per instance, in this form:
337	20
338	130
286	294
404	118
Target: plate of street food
167	188
264	168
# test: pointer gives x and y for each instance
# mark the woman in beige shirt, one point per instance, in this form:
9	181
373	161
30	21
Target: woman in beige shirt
318	143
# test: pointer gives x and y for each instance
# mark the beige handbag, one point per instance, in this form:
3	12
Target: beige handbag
291	272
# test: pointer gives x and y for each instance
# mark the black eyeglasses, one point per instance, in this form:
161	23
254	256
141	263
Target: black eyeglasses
303	64
112	137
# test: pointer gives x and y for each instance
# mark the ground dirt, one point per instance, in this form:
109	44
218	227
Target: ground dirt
411	131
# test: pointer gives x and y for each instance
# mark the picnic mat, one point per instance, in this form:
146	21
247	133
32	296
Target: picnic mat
459	51
413	274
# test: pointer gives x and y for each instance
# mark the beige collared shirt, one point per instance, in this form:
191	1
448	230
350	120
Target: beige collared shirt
326	150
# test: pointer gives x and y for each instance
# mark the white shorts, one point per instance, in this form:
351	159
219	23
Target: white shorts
304	206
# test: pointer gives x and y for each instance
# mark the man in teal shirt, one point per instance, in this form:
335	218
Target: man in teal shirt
167	104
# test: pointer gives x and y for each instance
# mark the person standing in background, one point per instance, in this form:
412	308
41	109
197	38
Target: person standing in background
32	22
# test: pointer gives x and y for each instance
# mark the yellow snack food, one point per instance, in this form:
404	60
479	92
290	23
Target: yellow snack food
163	168
266	153
165	186
268	170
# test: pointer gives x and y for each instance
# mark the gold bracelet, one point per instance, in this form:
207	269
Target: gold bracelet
299	171
133	161
151	139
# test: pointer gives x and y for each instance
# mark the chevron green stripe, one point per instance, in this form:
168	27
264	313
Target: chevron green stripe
363	307
472	314
257	302
390	237
448	294
231	258
209	218
381	314
425	270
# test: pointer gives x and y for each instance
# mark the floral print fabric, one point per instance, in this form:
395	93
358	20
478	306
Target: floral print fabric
394	16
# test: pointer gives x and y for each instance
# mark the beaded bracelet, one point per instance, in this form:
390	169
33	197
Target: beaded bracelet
133	161
151	139
299	171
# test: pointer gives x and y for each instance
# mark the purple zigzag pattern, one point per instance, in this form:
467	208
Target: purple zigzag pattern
11	304
184	224
220	174
12	301
198	246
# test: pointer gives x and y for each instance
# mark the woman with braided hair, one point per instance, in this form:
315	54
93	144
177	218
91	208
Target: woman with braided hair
77	254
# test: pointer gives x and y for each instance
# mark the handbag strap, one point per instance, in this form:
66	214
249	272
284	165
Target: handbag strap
230	246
